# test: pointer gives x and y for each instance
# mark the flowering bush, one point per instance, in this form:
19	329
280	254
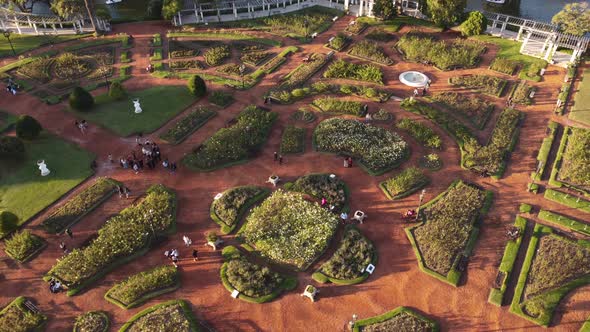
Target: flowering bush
410	179
187	125
230	69
448	225
230	206
334	105
80	205
356	28
293	140
575	167
421	133
254	58
235	143
300	23
251	279
172	316
216	55
22	244
179	49
92	321
287	229
491	85
16	317
185	64
371	51
446	56
304	71
348	70
521	93
353	255
129	291
338	42
221	98
379	150
323	186
402	322
504	65
122	236
475	109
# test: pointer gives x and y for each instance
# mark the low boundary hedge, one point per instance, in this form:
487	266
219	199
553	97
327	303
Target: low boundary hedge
561	220
404	194
168	136
358	325
188	313
567	200
32	254
545	149
553	179
225	229
507	265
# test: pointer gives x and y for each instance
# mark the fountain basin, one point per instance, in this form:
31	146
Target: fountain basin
413	78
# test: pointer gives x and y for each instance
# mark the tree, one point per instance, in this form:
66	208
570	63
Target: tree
444	13
384	9
117	91
11	146
574	18
81	100
196	86
19	3
154	9
74	8
8	222
27	127
170	8
475	24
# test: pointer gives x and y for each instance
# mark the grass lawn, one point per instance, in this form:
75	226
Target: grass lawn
6	120
581	110
24	192
510	50
24	43
126	11
159	104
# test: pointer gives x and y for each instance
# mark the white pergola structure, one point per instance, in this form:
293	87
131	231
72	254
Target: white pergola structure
539	39
26	23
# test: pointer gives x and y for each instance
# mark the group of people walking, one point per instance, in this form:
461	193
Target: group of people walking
11	87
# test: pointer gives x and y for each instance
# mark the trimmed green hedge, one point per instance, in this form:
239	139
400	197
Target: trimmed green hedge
23	246
571	161
507	265
525	208
404	184
80	205
16	317
545	149
184	127
184	305
567	200
339	106
229	225
363	323
564	221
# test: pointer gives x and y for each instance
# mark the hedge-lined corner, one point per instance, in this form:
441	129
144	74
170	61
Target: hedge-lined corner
235	203
186	126
567	200
525	208
348	263
24	246
236	143
231	253
404	184
79	206
539	307
567	222
185	313
579	136
95	321
142	286
480	201
17	317
507	265
425	322
322	185
544	151
123	238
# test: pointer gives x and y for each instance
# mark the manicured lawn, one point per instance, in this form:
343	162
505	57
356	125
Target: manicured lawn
581	110
24	192
159	104
6	121
24	43
126	11
510	50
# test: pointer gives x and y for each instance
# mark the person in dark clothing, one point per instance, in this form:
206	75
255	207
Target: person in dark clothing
69	232
195	254
280	159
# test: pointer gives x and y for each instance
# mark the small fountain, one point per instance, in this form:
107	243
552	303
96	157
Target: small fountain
414	79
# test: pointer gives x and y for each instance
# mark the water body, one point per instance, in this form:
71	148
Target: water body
540	10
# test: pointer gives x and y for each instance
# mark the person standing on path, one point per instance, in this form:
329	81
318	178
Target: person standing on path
280	159
195	254
127	192
276	156
69	232
187	241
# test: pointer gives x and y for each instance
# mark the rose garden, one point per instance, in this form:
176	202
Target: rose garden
278	174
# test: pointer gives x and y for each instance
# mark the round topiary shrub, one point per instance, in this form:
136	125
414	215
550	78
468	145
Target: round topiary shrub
81	100
27	127
8	222
10	146
475	24
117	91
196	86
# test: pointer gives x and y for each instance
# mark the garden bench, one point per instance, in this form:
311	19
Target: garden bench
274	179
335	19
235	293
310	292
352	23
329	55
359	216
331	38
313	35
532	94
31	306
215	244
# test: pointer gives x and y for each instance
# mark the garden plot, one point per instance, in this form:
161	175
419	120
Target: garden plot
175	315
399	319
228	209
571	168
473	109
92	321
18	316
319	186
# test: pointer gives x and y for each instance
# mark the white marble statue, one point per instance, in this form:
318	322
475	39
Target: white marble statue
137	106
43	168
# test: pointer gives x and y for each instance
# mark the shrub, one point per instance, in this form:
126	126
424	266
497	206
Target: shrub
254	58
171	316
491	85
421	133
475	24
406	182
81	100
351	257
287	229
234	202
321	186
27	127
293	140
379	150
504	65
8	222
117	91
251	279
216	55
305	70
170	8
143	285
525	208
196	86
574	166
221	98
339	106
339	41
474	109
443	55
431	161
348	70
22	245
371	51
187	125
11	146
521	93
16	317
92	321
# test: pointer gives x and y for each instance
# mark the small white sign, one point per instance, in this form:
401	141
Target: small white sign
235	293
370	268
218	196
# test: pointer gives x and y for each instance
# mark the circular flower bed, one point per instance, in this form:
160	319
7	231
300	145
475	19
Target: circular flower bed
68	66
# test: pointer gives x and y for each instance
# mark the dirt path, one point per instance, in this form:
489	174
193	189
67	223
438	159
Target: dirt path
397	279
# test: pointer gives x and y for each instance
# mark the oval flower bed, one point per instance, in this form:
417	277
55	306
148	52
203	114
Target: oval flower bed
143	286
379	150
399	319
256	284
404	184
92	321
319	186
122	238
289	230
228	210
347	265
171	316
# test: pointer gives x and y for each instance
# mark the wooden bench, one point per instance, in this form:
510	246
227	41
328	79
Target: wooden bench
31	306
532	94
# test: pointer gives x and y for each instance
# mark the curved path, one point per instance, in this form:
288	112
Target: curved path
397	280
